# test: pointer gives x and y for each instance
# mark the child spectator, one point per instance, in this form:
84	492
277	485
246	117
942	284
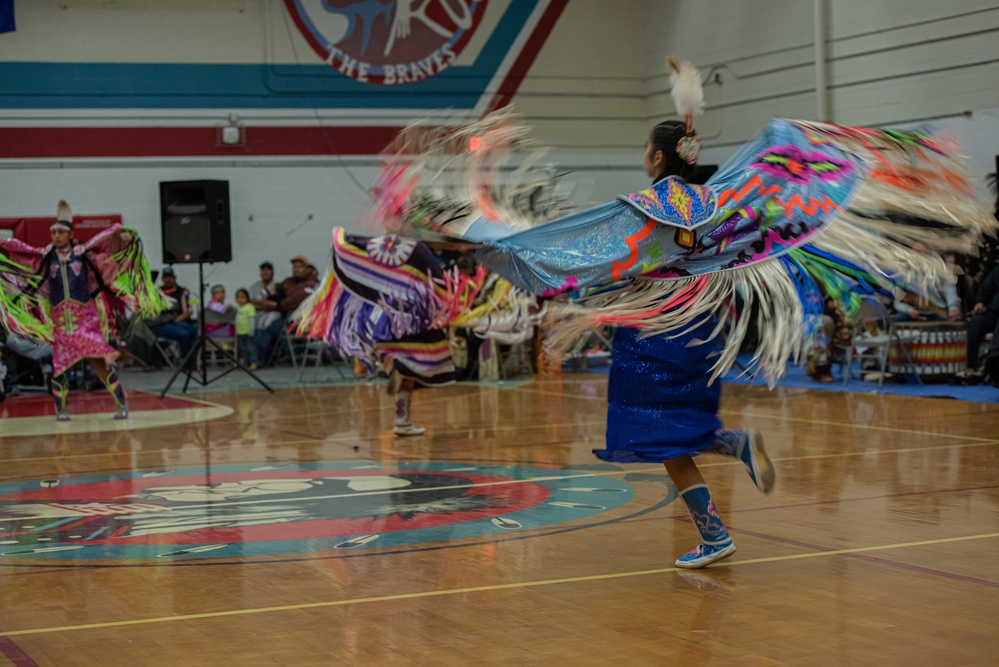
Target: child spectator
219	317
246	316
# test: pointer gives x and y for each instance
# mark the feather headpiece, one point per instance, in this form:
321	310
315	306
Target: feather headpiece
688	96
64	216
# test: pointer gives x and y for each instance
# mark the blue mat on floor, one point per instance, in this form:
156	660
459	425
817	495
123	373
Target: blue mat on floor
796	377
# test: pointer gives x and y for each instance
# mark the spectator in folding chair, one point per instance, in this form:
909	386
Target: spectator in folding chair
34	350
985	317
220	317
285	300
263	298
175	323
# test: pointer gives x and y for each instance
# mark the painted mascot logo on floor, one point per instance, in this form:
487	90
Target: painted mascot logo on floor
389	42
247	511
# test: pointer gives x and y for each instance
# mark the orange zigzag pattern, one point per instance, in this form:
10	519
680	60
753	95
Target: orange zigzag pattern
796	201
755	181
632	242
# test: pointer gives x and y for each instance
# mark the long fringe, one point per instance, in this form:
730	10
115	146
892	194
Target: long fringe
352	325
437	180
674	307
915	192
134	282
22	311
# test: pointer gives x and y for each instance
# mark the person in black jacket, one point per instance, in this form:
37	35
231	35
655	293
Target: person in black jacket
985	317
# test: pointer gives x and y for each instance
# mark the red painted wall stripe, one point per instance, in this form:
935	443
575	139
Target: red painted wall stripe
71	142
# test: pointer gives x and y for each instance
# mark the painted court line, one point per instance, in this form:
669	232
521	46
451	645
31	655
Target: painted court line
765	415
15	653
866	427
481	589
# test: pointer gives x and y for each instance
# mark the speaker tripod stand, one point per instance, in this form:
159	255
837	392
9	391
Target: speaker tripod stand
193	365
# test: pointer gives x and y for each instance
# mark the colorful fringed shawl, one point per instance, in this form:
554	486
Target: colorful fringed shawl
379	298
117	278
802	209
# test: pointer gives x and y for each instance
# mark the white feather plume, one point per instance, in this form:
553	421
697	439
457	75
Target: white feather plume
685	87
64	212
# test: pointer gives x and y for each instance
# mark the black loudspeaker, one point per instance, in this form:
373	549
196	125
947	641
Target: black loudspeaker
195	222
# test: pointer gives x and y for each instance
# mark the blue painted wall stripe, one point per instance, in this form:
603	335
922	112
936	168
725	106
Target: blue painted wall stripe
36	85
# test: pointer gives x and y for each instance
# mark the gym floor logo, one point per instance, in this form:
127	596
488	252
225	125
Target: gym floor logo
307	510
387	42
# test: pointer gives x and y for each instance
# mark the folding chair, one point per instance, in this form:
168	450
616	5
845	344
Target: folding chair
170	351
877	346
315	351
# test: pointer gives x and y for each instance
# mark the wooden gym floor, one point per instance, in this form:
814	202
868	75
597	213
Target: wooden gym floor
296	530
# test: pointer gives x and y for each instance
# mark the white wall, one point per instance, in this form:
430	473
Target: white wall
586	90
890	61
270	207
279	208
593	92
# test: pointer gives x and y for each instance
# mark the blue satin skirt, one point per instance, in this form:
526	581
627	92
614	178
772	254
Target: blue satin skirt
660	405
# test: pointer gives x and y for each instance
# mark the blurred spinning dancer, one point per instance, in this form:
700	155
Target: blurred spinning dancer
385	300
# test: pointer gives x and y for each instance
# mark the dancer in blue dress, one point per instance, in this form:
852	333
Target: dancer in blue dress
662	402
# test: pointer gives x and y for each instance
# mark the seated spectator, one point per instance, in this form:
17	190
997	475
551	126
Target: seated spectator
939	303
13	346
245	329
985	317
175	323
295	289
262	296
219	316
261	293
833	336
285	299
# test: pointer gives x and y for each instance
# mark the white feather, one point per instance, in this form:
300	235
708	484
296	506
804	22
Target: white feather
685	87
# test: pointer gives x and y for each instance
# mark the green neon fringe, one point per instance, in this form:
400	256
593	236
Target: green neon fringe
135	279
835	280
21	310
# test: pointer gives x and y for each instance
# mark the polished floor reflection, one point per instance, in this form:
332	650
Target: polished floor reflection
295	529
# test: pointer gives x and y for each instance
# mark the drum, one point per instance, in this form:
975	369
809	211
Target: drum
936	350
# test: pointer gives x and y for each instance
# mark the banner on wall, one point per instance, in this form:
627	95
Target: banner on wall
35	230
7	16
458	54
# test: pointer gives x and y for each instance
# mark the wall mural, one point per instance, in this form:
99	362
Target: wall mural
384	61
389	42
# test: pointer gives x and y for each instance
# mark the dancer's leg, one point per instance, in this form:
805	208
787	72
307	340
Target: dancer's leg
403	424
108	374
747	446
694	492
60	393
